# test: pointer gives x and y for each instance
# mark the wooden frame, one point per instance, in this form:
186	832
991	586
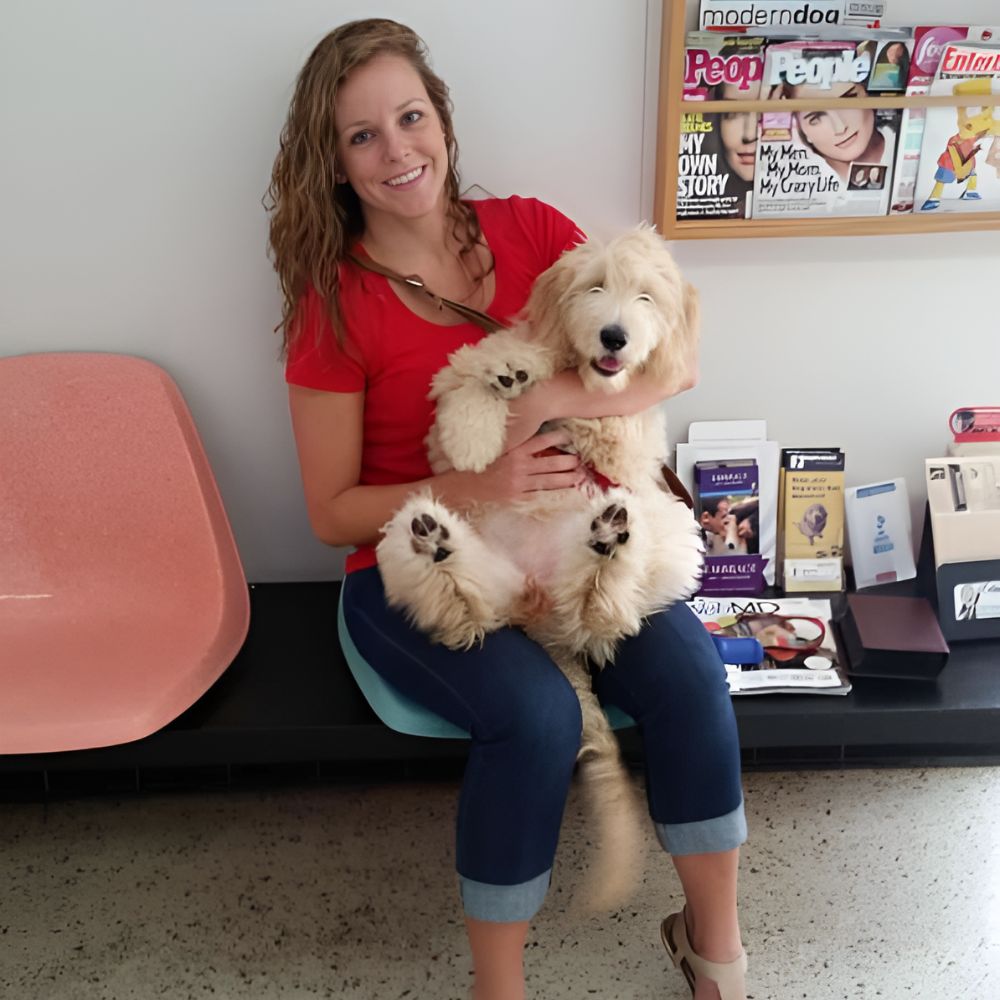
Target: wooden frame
668	142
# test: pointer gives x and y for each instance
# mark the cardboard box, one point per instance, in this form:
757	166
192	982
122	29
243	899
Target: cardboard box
963	494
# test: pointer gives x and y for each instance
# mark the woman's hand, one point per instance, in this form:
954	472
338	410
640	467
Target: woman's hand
564	395
533	465
529	411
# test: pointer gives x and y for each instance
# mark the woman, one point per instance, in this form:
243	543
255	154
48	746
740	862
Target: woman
367	165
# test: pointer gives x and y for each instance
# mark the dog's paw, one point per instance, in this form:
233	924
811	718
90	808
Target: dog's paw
470	424
510	381
429	537
504	365
609	530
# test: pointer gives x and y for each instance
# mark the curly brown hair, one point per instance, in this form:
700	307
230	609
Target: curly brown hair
314	220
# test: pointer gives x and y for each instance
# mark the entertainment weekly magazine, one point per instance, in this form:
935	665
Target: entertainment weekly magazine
928	47
960	155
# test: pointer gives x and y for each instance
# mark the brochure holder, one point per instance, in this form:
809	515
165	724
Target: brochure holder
966	594
728	440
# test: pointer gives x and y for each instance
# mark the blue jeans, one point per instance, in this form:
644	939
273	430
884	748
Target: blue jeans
524	719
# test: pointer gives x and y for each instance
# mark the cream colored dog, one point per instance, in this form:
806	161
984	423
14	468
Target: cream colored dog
578	569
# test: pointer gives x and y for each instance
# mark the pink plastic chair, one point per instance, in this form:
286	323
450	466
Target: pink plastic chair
122	597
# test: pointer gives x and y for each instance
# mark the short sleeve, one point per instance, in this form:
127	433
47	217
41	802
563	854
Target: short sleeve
316	359
551	232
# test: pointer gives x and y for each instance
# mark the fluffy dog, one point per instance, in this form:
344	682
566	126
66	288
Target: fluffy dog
578	569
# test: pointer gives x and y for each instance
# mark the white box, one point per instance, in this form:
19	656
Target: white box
964	498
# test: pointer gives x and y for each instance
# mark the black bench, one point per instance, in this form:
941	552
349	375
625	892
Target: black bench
289	701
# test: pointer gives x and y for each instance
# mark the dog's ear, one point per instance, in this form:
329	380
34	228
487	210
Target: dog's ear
674	363
690	334
692	312
544	310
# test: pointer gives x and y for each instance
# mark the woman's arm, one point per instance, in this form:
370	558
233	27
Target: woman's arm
564	395
328	428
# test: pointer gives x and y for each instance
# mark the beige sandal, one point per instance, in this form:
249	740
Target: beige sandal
730	977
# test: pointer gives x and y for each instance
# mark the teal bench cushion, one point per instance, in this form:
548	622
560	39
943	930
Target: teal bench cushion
403	714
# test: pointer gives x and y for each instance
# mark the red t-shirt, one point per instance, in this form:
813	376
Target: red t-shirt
391	354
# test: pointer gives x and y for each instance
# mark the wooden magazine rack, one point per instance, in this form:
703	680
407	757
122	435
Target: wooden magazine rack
672	107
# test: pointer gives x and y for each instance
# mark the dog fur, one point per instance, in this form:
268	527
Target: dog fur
581	569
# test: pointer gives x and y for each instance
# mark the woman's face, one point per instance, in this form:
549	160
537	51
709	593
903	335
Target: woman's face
390	144
839	134
738	131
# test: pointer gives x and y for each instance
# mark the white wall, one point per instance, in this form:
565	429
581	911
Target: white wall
867	343
137	143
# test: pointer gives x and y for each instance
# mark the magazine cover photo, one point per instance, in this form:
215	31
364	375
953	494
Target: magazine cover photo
929	43
960	155
834	161
718	151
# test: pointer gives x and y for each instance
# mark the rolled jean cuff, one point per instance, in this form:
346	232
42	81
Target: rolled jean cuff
707	836
503	904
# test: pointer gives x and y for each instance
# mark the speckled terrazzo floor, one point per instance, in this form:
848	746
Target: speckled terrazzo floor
858	884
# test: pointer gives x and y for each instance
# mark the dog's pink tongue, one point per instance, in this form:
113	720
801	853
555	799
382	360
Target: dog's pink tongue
609	363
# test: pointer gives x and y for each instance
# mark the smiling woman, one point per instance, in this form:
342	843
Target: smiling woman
335	127
392	149
367	168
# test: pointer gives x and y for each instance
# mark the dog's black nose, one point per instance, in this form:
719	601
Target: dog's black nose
613	337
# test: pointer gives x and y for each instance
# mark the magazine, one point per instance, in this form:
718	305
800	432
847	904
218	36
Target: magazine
833	162
801	655
757	15
891	64
718	151
928	47
959	167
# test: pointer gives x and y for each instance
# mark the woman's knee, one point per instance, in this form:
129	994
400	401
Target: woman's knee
540	715
698	674
687	655
671	669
